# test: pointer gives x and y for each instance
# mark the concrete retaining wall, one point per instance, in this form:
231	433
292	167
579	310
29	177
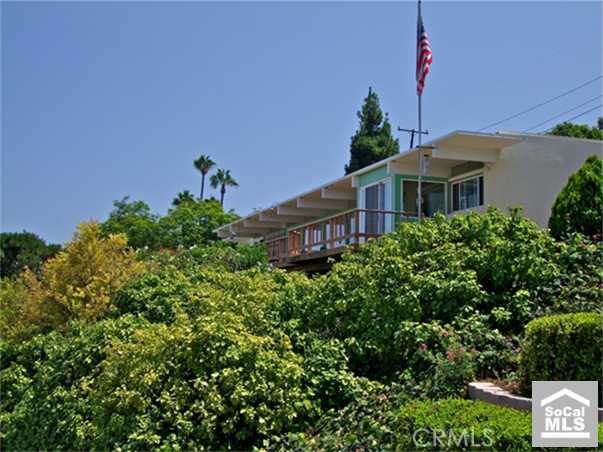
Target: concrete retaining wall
489	392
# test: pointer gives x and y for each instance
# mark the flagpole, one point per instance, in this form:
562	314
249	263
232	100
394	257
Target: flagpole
420	193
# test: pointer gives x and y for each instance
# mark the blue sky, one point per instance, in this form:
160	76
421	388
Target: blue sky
102	100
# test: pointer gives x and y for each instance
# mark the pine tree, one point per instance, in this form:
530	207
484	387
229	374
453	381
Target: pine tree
373	140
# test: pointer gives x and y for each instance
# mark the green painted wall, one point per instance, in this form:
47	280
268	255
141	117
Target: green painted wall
373	176
369	178
381	173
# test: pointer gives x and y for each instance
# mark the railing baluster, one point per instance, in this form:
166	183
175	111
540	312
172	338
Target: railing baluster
349	228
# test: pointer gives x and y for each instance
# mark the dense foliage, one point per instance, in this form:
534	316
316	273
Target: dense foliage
20	250
579	206
474	279
78	283
373	141
187	224
135	220
388	421
210	348
563	347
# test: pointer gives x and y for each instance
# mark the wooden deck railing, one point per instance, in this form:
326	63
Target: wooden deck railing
350	228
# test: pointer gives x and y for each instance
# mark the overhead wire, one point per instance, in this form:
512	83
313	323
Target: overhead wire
575	117
548	101
564	113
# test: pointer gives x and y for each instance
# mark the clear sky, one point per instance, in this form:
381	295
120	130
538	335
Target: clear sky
102	100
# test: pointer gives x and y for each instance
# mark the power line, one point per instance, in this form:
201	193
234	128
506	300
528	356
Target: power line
542	103
564	113
575	117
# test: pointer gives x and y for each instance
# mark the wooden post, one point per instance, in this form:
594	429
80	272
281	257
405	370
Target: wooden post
356	226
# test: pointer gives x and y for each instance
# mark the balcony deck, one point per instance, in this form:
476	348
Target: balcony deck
329	237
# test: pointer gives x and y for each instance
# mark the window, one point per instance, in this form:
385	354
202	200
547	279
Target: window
433	197
468	193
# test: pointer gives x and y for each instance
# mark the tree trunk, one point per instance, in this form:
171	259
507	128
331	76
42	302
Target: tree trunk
202	184
222	191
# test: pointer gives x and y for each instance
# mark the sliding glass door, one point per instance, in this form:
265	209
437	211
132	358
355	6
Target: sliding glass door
376	200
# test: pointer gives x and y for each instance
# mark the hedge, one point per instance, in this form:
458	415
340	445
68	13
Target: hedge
562	347
453	424
390	422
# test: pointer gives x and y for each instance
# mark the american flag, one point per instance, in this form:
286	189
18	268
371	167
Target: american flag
423	54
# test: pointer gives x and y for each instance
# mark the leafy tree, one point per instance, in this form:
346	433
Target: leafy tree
77	283
204	163
373	140
579	206
19	250
183	196
568	129
135	220
223	179
193	223
189	223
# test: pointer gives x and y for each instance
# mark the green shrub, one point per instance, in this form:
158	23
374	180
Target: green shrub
214	370
493	353
367	423
388	420
135	385
579	206
211	384
562	347
445	270
202	352
46	381
579	285
216	255
230	256
156	296
453	424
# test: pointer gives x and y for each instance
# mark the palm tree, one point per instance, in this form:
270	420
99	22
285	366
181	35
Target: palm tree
223	179
182	197
203	164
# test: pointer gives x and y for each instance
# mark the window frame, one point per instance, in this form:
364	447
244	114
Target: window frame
409	179
381	194
480	192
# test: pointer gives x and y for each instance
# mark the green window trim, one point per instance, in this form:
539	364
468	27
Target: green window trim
397	186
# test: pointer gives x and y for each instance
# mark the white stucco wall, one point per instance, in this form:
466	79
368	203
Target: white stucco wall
534	171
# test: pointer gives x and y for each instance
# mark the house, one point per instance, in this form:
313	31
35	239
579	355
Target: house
465	171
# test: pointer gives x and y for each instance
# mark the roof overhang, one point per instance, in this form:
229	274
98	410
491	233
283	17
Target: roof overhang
340	194
335	196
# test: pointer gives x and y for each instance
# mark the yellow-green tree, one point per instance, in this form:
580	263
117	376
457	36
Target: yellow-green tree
77	283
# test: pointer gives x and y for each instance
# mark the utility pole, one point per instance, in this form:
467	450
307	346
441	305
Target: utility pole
412	134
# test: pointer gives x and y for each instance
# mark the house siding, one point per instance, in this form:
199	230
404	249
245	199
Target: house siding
532	174
373	176
369	178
